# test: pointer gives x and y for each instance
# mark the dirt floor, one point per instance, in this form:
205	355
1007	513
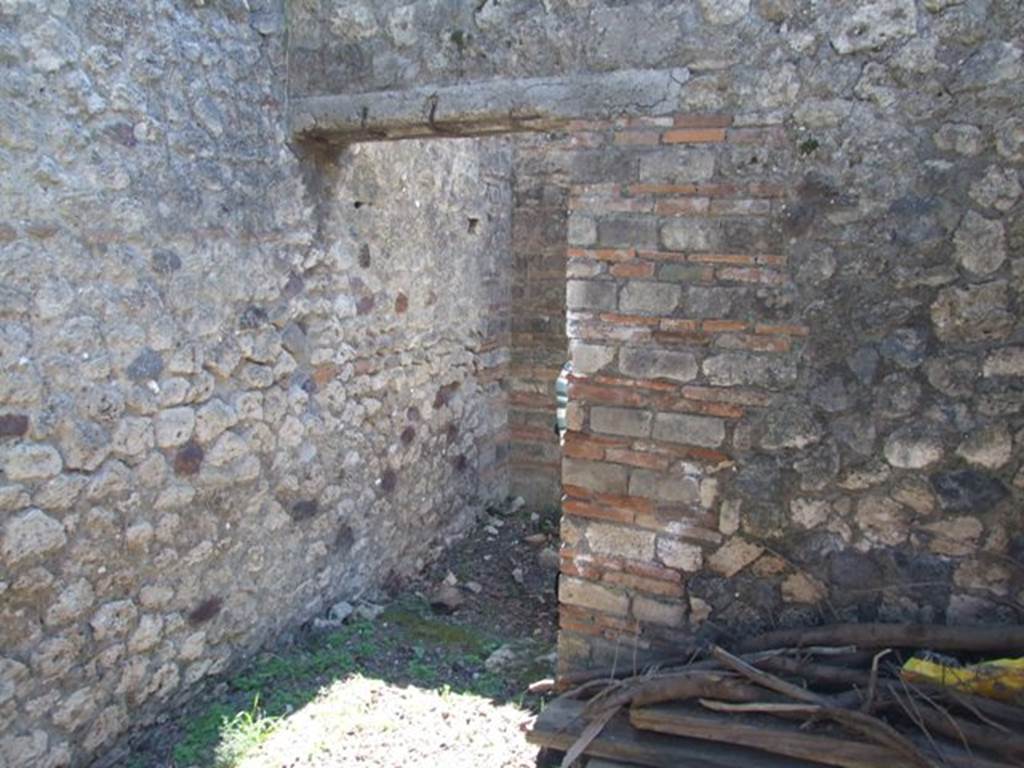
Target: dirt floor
435	675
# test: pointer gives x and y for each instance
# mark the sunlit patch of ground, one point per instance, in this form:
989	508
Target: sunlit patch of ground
365	722
406	687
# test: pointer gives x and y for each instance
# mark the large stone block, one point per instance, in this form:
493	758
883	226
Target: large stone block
677	166
627	232
586	594
691	235
595	475
666	488
650	611
705	431
591	358
621	421
590	294
649	298
620	541
658	364
730	369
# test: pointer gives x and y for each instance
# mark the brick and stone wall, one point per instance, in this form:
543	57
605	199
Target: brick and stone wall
781	413
684	356
245	370
539	347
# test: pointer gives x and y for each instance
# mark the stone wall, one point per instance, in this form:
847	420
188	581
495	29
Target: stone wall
794	294
239	378
797	391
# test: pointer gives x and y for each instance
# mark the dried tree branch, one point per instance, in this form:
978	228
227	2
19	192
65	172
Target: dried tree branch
823	674
677	687
866	725
873	681
766	680
937	718
934	636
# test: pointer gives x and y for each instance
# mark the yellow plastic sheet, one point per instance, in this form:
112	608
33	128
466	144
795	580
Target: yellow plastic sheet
1001	679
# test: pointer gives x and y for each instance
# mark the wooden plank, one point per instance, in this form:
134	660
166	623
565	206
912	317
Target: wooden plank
773	736
560	723
791	742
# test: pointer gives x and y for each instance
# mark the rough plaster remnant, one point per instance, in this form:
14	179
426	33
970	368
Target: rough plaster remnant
679	554
873	24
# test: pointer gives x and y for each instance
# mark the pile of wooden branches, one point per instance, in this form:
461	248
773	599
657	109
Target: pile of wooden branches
831	695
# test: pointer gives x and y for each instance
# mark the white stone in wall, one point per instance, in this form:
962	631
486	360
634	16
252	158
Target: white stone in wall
32	534
872	24
29	461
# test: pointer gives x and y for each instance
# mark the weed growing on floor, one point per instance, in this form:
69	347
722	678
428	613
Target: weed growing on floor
242	733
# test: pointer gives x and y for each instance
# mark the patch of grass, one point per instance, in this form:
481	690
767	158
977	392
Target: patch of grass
221	737
243	733
422	672
198	745
808	146
459	38
330	659
414	621
489	685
